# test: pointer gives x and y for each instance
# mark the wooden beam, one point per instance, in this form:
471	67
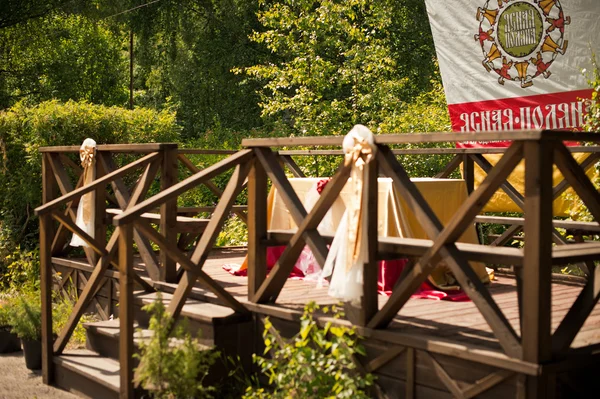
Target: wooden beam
257	229
87	294
432	226
168	214
206	242
209	184
45	208
125	201
97	246
487	383
292	202
585	165
270	289
126	313
536	333
437	137
445	378
369	303
384	358
410	373
508	188
292	165
46	231
121	148
450	167
148	205
578	180
469	173
174	253
577	314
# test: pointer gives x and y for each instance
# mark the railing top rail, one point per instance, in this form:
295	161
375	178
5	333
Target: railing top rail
432	151
49	206
123	148
202	151
427	138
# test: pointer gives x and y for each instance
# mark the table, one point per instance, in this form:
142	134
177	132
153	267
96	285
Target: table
394	220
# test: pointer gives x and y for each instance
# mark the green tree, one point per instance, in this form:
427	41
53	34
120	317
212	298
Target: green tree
14	12
61	57
184	54
336	64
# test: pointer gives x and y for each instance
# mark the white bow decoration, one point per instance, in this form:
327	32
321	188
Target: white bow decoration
348	251
85	211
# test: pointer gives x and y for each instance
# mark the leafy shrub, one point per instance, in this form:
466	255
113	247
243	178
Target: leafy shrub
61	311
234	233
25	315
172	365
316	363
24	129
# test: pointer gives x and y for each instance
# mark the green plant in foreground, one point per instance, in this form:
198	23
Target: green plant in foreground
25	316
172	365
316	363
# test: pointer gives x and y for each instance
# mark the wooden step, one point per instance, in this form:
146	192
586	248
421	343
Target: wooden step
87	374
213	325
103	338
205	320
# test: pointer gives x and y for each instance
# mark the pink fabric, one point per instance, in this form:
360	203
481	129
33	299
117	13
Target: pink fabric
389	272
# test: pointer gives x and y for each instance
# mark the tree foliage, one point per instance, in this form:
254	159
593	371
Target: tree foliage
336	64
59	56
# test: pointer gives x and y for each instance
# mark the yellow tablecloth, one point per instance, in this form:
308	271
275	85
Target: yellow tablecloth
501	202
394	217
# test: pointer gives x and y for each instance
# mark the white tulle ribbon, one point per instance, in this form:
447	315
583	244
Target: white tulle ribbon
348	251
85	211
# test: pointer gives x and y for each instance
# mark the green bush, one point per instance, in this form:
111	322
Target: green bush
172	365
24	129
316	363
25	315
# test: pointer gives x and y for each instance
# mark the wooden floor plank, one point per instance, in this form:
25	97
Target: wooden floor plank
457	321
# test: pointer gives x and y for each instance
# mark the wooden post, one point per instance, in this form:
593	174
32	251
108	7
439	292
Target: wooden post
168	214
99	211
46	294
257	228
131	69
369	305
537	271
469	173
49	189
126	310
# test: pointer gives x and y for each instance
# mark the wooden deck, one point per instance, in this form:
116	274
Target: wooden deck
451	334
430	349
456	321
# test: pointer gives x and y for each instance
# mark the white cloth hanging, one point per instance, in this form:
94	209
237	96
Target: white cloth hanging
85	211
348	252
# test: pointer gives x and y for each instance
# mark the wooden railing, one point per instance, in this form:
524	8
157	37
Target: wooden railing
540	151
254	166
140	164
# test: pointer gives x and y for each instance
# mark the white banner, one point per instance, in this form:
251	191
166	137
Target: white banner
515	64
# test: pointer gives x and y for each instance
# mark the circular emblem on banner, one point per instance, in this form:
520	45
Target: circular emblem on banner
520	39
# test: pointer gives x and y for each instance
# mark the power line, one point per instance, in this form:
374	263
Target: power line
132	9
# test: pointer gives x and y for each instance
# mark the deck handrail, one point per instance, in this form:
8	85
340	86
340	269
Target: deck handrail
77	193
181	187
540	150
386	139
140	148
